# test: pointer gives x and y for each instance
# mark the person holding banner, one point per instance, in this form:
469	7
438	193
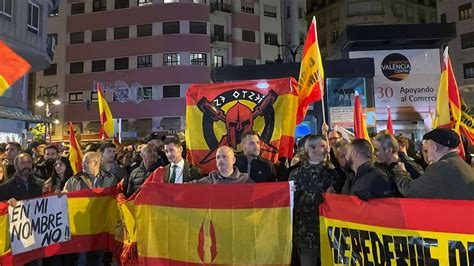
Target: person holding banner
448	176
315	176
368	182
181	170
23	185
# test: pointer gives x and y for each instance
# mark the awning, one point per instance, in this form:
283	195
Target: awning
25	117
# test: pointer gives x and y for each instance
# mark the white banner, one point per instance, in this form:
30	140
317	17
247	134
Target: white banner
404	78
38	223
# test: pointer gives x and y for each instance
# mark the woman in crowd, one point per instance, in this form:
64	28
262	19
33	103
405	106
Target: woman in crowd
62	172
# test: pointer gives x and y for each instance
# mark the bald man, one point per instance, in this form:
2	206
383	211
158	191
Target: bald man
226	172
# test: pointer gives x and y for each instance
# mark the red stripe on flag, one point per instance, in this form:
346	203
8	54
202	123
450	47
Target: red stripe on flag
238	196
411	214
168	262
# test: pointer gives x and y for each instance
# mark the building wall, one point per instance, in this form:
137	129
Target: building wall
459	56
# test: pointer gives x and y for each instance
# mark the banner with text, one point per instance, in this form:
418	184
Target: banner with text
38	223
396	231
404	78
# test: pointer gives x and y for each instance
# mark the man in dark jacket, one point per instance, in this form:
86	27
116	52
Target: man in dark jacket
181	170
226	172
258	168
447	177
109	164
369	181
22	185
141	173
45	168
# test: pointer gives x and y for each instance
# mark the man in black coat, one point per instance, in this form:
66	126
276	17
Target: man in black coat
150	162
368	182
258	168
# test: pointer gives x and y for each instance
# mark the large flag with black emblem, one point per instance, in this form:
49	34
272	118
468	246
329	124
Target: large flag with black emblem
218	114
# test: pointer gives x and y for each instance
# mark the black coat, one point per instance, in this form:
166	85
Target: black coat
190	173
369	182
261	169
15	188
136	179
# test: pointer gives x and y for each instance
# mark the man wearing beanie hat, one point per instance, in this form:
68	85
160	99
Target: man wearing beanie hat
448	176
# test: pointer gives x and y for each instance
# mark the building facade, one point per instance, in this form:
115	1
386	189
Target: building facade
23	27
461	50
333	15
146	53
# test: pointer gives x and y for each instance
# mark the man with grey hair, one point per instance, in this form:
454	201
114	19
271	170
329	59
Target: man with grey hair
139	175
91	176
23	184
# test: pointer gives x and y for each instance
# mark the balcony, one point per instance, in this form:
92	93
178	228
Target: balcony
221	38
215	6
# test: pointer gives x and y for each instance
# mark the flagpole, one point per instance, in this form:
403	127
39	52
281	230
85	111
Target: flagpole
321	80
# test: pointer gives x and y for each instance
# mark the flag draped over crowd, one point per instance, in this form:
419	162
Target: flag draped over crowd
218	114
12	67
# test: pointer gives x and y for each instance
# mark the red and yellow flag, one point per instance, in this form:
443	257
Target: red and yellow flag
389	122
227	225
360	128
12	67
75	152
467	122
311	79
448	103
106	119
218	114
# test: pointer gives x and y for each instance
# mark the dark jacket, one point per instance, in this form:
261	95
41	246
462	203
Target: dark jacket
369	182
189	172
83	180
138	177
44	169
415	170
311	180
118	171
15	188
449	178
215	177
261	169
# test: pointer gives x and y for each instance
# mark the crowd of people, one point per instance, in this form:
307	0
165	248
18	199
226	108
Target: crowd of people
327	163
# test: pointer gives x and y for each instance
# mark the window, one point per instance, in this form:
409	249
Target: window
99	5
144	61
121	4
300	12
218	32
171	59
467	40
144	2
246	61
78	8
170	1
410	12
302	38
121	63
33	18
469	70
271	39
421	16
170	27
147	93
248	35
199	1
288	12
6	7
55	37
197	27
51	70
334	36
199	59
218	61
247	7
98	65
270	11
76	68
397	10
144	30
322	39
94	96
442	18
465	11
99	35
120	33
75	97
171	91
334	15
76	37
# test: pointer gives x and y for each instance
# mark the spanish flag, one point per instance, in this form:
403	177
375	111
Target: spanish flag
106	119
214	224
75	152
311	80
389	122
218	114
360	128
448	104
12	67
467	122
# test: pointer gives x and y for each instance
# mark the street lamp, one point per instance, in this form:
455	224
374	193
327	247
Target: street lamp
293	50
48	95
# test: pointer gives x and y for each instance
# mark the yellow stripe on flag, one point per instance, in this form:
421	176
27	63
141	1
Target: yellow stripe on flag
3	85
4	237
242	236
83	215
